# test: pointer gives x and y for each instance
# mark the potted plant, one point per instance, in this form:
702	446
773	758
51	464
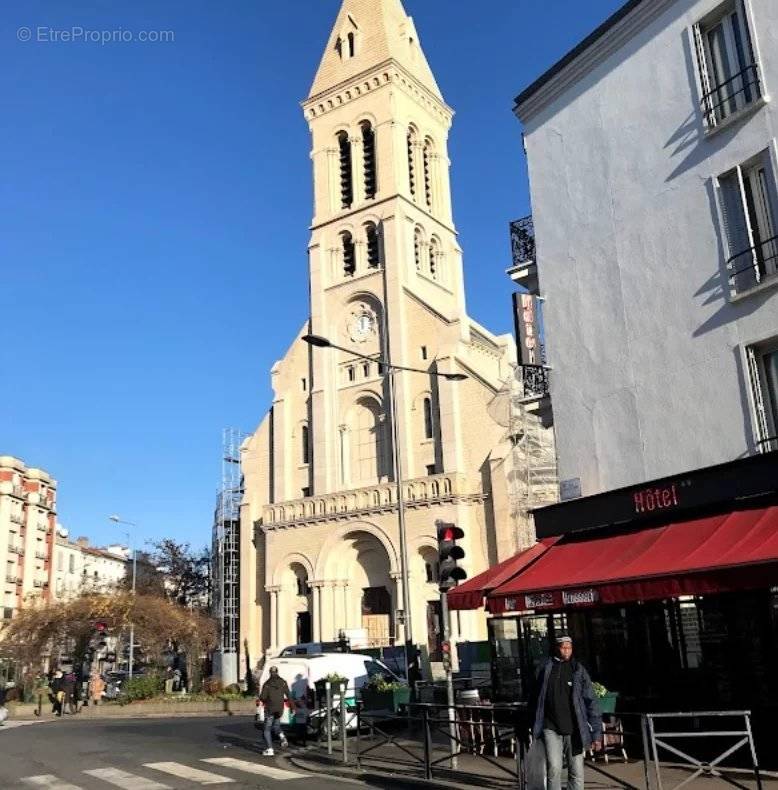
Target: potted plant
382	694
606	699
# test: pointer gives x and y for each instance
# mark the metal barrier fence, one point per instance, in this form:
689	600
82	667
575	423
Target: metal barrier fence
659	739
498	734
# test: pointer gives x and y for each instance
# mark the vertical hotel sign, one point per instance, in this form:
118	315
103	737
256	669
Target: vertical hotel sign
525	309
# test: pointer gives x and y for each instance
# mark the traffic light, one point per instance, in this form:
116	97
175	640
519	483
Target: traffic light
449	572
445	648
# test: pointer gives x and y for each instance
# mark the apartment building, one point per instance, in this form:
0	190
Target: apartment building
652	161
79	567
28	500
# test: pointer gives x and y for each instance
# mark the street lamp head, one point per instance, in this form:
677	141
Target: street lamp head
454	376
114	518
317	340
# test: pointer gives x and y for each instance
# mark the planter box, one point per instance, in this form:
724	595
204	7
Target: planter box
608	702
385	700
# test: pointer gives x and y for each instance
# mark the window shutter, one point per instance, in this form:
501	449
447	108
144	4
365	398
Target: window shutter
757	392
707	103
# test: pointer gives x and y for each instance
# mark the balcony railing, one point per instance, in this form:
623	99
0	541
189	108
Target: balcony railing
42	526
18	491
523	241
13	549
41	555
731	95
535	379
371	499
17	518
753	266
767	445
11	578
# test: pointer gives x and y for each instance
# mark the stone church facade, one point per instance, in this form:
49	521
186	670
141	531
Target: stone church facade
319	521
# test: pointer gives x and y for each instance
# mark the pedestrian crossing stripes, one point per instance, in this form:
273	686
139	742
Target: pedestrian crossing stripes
50	782
116	777
191	774
126	780
259	769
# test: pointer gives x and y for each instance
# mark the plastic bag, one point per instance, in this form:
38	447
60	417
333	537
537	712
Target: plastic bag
536	765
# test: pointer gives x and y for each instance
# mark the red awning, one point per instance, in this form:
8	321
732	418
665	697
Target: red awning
471	594
731	551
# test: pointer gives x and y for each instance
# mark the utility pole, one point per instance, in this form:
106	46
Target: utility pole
117	520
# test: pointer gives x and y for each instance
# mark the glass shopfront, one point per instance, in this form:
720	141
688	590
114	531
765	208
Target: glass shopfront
716	652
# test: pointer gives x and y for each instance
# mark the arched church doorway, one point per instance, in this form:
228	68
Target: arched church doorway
369	591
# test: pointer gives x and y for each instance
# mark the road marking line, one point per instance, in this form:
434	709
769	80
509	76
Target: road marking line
49	781
192	774
260	769
125	780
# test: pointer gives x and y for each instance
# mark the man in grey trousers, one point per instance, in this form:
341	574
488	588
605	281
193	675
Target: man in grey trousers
567	716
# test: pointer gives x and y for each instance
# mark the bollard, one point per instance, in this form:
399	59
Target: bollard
425	716
328	720
359	730
343	736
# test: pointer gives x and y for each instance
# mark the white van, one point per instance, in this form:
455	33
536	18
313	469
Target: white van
302	673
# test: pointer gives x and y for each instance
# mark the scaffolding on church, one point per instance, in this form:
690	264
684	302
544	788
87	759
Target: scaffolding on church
533	478
226	557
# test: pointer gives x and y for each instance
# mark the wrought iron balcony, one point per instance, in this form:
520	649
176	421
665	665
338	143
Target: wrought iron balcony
11	578
754	265
767	445
535	380
523	241
731	95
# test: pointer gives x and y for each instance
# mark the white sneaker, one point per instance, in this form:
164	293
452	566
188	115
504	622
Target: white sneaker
284	742
268	753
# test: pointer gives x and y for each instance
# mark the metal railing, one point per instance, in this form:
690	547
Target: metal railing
523	240
701	766
753	265
768	444
724	99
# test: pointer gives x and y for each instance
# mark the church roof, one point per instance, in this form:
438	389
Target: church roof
382	31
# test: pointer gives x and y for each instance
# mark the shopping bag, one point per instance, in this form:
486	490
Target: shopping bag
536	765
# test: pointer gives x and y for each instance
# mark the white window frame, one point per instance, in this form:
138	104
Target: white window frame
765	419
732	88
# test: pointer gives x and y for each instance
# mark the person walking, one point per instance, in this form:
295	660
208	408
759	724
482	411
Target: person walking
567	716
3	708
275	692
69	687
96	688
57	693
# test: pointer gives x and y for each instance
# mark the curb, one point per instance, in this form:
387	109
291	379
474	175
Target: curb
403	780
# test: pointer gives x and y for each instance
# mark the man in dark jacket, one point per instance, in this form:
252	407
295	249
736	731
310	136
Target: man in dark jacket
567	716
274	694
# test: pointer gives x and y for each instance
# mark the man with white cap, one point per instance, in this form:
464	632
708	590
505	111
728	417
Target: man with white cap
567	716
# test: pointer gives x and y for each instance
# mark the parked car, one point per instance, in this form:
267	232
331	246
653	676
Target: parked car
311	649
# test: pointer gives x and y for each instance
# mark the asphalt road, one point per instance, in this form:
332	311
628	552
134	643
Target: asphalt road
146	754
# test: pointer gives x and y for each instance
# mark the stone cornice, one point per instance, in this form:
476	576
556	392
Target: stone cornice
564	74
388	72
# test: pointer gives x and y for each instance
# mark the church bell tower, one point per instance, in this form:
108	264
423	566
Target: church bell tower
383	242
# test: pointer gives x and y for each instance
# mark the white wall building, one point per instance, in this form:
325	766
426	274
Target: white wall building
79	567
653	164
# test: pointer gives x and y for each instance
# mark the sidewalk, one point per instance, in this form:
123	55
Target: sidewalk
390	764
140	709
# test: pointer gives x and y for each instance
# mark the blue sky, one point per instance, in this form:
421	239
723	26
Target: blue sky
154	208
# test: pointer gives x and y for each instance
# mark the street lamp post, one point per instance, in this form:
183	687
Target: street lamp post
389	369
117	520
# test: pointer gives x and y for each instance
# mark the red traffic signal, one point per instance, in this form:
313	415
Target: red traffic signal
449	573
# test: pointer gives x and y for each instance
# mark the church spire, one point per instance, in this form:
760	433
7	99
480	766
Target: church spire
369	32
